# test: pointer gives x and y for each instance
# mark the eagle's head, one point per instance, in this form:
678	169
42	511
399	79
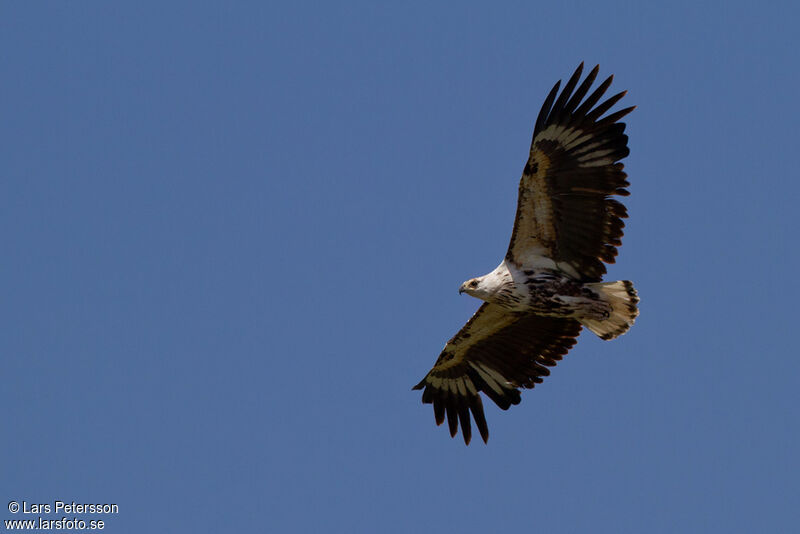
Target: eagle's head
489	286
473	287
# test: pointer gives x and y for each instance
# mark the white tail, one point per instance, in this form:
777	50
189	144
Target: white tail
623	299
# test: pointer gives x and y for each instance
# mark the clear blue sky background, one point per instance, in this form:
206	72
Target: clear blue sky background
233	236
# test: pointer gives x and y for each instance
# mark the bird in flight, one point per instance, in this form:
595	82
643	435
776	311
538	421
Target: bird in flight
549	284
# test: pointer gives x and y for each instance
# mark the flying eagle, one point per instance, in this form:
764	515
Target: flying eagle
549	284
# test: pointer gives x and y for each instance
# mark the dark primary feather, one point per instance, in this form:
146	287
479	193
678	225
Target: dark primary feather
574	169
548	102
496	352
570	85
583	89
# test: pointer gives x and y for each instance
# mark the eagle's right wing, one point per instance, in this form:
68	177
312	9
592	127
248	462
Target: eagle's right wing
496	352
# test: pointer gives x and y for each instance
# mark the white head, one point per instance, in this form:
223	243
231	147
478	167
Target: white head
489	286
477	287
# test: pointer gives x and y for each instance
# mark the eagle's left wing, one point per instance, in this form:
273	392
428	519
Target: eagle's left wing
566	218
496	352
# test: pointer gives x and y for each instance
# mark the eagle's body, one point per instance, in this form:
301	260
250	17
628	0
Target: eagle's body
549	284
546	292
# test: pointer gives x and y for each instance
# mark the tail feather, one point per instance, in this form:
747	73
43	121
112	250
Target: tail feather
623	299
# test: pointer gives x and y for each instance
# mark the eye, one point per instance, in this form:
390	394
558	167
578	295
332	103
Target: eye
473	284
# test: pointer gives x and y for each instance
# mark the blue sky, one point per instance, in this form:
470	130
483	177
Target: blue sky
233	237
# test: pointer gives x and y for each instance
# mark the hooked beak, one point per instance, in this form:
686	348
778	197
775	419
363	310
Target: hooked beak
461	289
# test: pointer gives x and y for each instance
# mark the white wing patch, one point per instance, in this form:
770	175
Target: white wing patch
596	159
566	136
569	138
533	261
